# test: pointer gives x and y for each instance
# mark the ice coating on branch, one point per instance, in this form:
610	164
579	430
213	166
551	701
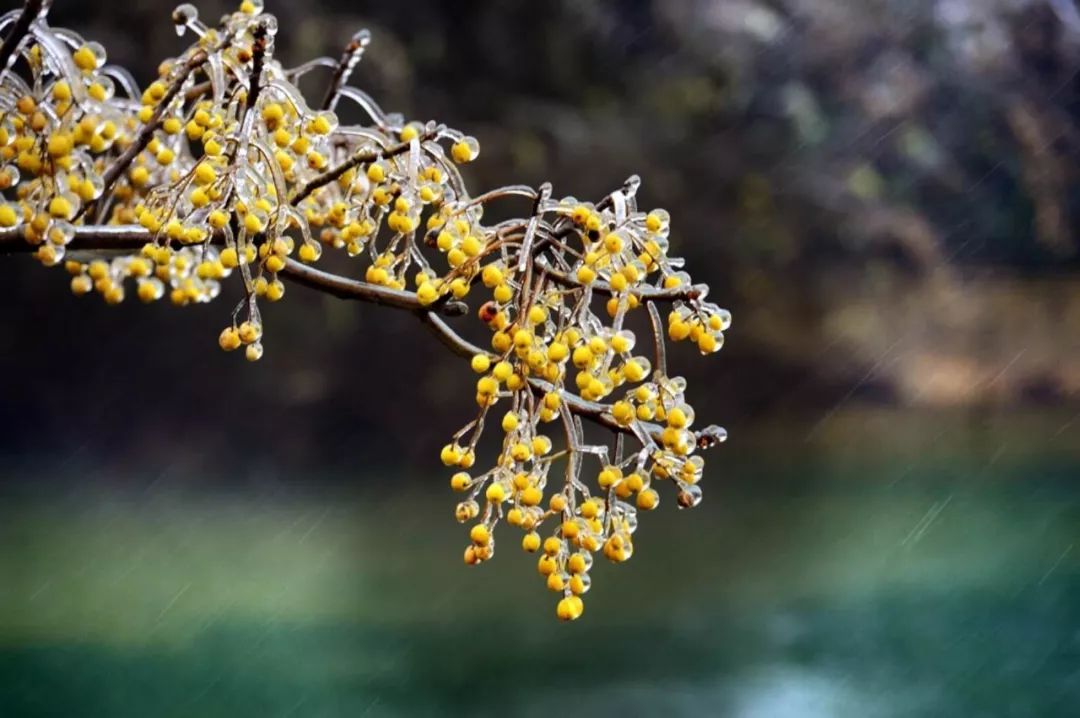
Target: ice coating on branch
227	172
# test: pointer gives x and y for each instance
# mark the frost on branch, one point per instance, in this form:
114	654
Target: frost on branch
221	167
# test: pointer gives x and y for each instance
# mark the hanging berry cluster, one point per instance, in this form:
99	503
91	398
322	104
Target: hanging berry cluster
221	167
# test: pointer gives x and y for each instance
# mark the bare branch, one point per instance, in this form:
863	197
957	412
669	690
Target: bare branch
445	333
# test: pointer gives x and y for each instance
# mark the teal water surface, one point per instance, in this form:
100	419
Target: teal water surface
934	587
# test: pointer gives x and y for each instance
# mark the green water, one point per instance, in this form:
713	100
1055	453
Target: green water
799	588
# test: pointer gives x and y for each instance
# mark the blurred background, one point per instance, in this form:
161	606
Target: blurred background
884	193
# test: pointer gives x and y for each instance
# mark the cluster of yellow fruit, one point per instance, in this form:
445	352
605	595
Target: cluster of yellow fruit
543	273
221	150
54	133
221	165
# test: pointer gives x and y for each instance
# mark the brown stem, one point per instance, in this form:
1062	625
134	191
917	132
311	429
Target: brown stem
345	288
197	91
133	237
146	132
358	158
259	45
30	12
129	237
659	348
591	410
349	57
648	294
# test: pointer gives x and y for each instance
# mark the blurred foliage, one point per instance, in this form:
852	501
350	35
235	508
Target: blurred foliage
884	192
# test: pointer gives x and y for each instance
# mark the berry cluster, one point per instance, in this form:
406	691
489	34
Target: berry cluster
557	354
221	167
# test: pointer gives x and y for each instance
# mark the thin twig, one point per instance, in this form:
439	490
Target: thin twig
349	57
345	288
30	12
146	132
197	91
648	294
359	157
259	46
659	347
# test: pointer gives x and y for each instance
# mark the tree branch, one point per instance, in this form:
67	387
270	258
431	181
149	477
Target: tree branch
31	11
593	411
349	57
647	294
146	132
345	288
358	158
133	237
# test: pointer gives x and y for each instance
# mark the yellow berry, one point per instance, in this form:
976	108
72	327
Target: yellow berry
9	217
647	500
464	150
541	445
321	125
480	535
557	351
252	223
492	276
229	339
577	563
249	332
450	455
570	608
85	59
81	284
60	144
60	208
460	481
531	496
376	173
205	173
218	219
275	290
140	176
471	246
427	294
623	412
634	371
274	263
